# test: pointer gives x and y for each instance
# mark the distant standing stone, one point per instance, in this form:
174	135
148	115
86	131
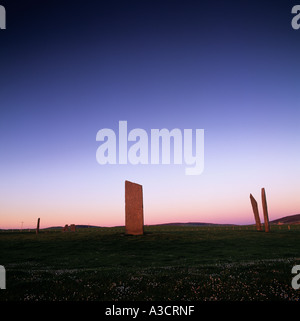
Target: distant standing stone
255	212
66	228
73	228
265	209
134	212
38	226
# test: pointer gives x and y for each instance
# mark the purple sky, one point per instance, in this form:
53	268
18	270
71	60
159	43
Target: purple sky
67	71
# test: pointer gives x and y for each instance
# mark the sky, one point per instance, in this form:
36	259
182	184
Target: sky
72	68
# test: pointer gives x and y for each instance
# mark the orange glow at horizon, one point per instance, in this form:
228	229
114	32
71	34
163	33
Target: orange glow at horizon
158	213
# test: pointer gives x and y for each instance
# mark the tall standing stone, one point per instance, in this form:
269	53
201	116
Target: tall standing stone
134	212
265	209
255	212
38	226
2	277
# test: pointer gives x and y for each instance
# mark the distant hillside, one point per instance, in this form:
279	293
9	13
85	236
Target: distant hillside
61	227
191	224
291	219
164	224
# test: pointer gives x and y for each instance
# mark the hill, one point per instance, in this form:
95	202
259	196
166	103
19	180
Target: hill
61	227
192	224
291	219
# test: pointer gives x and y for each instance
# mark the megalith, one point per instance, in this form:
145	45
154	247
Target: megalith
134	212
2	277
255	212
265	210
38	226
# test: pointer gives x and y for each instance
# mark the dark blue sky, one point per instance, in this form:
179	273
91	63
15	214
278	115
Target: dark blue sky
70	68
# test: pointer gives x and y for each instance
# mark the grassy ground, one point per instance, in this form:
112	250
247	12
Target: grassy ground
167	263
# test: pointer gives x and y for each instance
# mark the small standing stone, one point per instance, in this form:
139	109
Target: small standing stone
66	228
255	212
38	226
73	228
265	209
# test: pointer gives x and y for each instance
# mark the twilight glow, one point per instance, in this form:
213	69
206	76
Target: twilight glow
228	68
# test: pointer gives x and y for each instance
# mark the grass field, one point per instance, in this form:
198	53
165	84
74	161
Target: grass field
167	263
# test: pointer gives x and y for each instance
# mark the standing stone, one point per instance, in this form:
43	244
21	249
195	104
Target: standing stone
134	216
2	277
265	209
38	226
73	228
66	228
255	212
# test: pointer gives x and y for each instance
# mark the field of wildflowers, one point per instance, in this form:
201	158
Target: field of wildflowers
167	263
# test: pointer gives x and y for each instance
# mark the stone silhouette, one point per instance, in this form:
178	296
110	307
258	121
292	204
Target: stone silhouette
255	212
73	228
134	212
65	228
2	277
38	226
2	18
265	210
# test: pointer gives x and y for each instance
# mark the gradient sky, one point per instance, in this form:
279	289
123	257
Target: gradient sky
71	68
